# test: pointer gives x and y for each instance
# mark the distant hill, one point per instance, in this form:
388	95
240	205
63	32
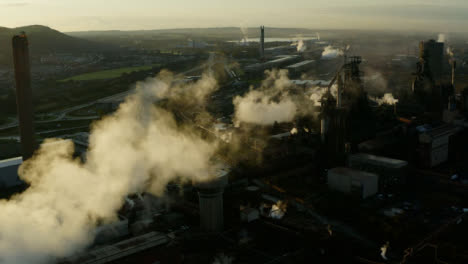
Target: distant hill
167	39
44	40
222	33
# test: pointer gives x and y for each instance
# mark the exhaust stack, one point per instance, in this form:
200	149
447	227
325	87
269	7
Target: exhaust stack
454	66
24	95
210	196
262	42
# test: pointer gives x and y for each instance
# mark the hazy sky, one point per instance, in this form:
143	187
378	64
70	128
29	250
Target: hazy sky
75	15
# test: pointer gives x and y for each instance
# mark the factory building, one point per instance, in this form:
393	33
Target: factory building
350	181
152	247
301	65
392	172
434	145
278	62
9	172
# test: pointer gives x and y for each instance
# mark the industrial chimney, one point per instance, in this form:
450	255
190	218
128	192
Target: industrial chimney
210	195
454	66
24	94
262	42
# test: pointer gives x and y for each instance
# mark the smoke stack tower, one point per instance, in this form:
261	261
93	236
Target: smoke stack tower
432	54
454	66
24	94
210	196
262	42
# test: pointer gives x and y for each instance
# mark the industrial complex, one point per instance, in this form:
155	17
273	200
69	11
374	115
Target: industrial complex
311	161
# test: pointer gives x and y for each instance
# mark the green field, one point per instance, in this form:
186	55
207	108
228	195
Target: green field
108	74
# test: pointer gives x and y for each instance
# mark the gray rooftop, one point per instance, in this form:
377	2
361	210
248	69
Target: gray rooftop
300	64
9	172
378	160
354	174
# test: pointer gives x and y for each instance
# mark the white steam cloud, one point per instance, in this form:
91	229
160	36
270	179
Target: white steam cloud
331	53
301	46
277	100
271	103
316	94
441	38
387	99
139	148
450	52
278	210
245	33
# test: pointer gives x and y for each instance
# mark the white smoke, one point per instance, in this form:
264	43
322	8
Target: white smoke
245	33
269	104
273	101
301	46
441	38
387	99
316	93
318	36
139	148
383	250
374	81
450	52
331	53
278	210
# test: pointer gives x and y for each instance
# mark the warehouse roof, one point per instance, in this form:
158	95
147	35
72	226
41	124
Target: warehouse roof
300	64
9	172
378	160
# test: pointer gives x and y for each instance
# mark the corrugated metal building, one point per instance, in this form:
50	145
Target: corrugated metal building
9	172
434	145
392	172
352	181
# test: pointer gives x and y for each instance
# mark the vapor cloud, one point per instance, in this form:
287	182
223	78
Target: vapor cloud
387	99
276	100
270	103
331	53
139	148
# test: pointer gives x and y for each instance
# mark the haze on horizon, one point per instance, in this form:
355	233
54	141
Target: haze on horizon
83	15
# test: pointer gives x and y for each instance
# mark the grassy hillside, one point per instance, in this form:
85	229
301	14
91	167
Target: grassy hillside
44	40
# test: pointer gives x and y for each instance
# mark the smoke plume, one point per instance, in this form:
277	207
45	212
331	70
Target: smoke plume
331	53
278	210
245	33
316	94
450	52
301	46
277	100
374	81
139	148
270	103
441	38
387	99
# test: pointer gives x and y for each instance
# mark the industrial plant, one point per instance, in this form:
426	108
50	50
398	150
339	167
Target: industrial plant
310	148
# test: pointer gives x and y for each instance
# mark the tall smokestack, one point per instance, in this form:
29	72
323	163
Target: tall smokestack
454	66
339	95
24	94
262	42
210	196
